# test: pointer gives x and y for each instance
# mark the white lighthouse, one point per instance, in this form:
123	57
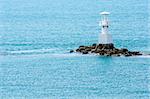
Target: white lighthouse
105	37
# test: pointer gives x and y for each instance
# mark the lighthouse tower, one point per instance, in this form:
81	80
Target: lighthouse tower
105	37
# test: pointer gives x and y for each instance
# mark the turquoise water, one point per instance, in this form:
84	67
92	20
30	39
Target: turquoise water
36	37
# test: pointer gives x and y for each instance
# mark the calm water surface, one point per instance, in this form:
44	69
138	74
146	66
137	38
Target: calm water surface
36	36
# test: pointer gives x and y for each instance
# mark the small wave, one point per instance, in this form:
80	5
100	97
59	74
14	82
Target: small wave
144	56
54	52
48	52
28	52
70	55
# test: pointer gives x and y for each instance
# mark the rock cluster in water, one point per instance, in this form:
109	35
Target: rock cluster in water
106	50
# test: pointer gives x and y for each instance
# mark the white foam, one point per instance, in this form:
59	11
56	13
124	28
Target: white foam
69	55
35	51
144	56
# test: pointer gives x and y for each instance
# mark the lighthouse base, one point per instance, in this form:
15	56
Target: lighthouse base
105	38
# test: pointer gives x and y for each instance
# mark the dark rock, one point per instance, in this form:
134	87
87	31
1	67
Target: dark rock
139	54
100	46
115	49
94	44
97	51
80	49
127	55
118	55
124	50
81	46
71	51
88	49
77	50
107	54
115	52
84	52
111	46
135	53
106	50
93	47
101	53
93	51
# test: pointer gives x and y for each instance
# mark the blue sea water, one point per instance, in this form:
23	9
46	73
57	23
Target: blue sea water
36	36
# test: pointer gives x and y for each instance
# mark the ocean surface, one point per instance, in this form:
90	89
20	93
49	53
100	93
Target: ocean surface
37	35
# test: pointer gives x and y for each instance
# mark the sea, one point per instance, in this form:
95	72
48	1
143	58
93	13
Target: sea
37	35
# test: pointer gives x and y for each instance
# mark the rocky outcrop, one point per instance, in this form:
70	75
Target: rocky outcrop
106	50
